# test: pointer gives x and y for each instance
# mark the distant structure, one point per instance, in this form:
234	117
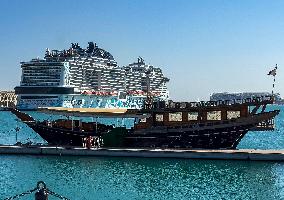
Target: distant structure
242	95
8	99
88	78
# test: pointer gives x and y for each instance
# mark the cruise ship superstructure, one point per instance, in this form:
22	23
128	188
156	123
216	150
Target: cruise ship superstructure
87	78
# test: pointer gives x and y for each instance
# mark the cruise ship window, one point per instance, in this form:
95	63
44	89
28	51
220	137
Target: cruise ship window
192	116
175	117
159	117
233	114
214	115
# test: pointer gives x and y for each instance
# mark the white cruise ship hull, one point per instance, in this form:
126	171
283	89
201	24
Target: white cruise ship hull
81	101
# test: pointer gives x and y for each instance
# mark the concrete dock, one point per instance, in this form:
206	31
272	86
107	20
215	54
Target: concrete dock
243	154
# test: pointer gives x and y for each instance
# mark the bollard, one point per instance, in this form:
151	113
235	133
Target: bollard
41	194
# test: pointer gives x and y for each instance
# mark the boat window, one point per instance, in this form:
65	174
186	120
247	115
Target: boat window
143	120
214	115
192	116
159	117
175	117
233	114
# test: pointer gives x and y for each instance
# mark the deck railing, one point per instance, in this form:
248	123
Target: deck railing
183	105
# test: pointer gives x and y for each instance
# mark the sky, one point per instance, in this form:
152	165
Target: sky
203	46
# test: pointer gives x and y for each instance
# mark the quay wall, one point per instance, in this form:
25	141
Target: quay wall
244	154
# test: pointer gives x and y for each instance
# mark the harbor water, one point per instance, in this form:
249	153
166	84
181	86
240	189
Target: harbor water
87	178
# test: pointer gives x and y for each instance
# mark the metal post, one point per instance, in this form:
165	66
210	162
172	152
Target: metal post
41	195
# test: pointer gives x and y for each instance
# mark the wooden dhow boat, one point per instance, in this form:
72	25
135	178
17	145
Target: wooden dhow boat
190	125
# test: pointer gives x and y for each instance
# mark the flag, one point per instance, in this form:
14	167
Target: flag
272	72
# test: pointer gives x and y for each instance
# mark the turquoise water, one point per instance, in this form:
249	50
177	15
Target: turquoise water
133	178
88	178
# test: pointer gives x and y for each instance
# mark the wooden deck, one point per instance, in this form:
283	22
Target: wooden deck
243	154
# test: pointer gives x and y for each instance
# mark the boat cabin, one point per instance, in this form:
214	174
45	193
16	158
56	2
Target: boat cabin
189	113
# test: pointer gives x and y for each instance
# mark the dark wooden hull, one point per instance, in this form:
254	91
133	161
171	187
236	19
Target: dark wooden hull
56	136
219	135
226	138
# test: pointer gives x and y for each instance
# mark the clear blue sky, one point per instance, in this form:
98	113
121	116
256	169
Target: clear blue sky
203	46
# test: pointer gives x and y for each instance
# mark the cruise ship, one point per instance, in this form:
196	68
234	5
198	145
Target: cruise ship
88	78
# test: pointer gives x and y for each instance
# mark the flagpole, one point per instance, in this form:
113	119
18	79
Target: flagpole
273	86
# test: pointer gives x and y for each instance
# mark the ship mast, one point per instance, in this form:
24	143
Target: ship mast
273	73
